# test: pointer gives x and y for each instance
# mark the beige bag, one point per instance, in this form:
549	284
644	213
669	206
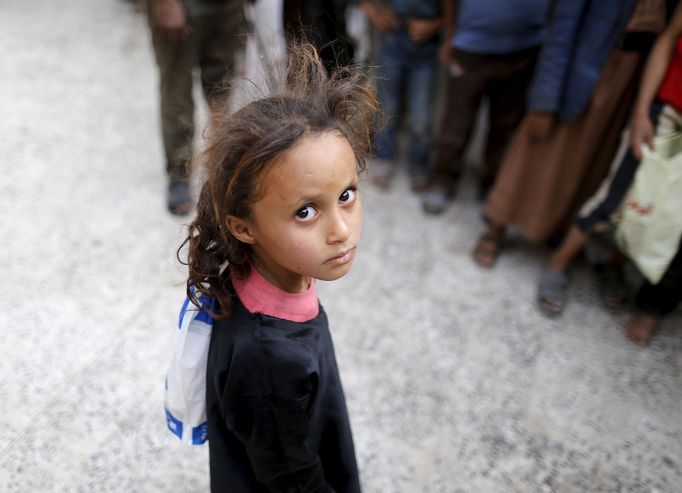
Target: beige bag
651	225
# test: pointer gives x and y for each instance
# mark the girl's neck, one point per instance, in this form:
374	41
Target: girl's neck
259	295
290	284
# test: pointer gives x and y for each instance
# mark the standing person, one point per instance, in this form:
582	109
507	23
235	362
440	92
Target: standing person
407	63
187	34
653	302
279	209
659	107
490	49
579	102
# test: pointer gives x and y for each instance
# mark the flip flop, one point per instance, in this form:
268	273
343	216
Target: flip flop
552	292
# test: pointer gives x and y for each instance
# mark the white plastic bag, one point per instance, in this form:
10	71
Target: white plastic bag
185	395
651	225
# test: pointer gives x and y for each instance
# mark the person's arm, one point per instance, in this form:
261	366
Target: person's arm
169	16
268	412
547	86
641	126
381	16
448	10
422	30
275	444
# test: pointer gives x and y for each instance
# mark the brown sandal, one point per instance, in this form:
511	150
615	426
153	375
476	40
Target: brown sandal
487	250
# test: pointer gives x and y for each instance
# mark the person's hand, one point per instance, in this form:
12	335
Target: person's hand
641	133
539	124
170	18
421	30
445	52
382	18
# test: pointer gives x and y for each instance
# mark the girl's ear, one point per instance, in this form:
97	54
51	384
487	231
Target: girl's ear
240	229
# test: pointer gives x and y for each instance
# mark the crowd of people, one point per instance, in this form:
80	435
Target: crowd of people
561	80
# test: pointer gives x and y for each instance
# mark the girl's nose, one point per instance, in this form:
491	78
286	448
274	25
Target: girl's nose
338	230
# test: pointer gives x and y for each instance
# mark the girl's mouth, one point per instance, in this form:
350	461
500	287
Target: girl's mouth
342	258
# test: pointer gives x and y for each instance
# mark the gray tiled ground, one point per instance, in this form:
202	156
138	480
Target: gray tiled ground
455	383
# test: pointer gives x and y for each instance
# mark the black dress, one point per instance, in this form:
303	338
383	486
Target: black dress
277	418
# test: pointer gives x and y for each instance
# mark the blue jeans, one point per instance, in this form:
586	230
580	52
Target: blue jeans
409	69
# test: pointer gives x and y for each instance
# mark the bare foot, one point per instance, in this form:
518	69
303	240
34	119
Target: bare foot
640	328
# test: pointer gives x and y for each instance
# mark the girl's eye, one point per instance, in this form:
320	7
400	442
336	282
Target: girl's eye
348	197
306	213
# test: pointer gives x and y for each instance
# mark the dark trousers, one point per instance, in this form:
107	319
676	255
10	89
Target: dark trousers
658	300
216	33
503	81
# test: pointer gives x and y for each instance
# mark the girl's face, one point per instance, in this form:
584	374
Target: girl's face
308	221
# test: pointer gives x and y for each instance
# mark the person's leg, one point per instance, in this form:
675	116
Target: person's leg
507	93
467	77
553	284
390	81
221	38
573	243
421	79
507	96
654	301
175	60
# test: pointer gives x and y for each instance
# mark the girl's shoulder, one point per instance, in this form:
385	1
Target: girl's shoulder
267	354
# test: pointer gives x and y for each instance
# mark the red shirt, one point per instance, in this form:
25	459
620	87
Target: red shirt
670	91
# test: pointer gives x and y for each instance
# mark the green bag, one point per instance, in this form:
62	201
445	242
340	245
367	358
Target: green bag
651	224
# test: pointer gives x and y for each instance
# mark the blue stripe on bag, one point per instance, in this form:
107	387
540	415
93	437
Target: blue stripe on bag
200	434
204	317
182	312
174	425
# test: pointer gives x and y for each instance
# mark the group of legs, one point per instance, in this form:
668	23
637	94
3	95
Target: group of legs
652	301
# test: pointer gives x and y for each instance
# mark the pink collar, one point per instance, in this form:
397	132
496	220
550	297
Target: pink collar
260	296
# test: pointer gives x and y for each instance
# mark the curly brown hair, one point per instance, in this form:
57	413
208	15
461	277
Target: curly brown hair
242	146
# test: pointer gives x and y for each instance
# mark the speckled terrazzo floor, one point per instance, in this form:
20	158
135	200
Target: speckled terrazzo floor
455	382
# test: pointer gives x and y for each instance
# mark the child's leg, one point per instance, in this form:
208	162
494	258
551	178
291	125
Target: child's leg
573	243
640	328
553	284
655	301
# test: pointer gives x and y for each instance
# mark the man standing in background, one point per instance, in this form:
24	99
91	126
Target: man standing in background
186	34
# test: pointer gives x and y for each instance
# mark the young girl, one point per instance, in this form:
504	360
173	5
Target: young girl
279	209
